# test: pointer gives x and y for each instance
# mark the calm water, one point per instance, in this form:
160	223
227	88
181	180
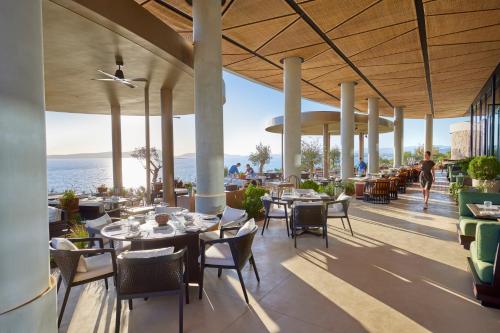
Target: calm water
86	174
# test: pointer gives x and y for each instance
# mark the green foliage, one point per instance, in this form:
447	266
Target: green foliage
154	160
225	171
311	155
79	231
261	156
454	189
484	168
329	189
334	157
348	187
251	202
464	164
310	184
69	195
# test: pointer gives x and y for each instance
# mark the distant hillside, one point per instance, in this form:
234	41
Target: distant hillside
107	154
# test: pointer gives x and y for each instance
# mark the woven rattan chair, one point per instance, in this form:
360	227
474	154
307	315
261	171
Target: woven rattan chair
402	182
393	187
339	210
271	212
380	192
150	277
101	266
308	215
228	253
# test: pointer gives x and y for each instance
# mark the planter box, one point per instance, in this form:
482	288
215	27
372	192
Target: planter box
491	186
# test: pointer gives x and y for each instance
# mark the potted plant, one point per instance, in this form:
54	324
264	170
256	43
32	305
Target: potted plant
310	185
328	189
483	170
252	203
69	201
189	187
102	189
348	186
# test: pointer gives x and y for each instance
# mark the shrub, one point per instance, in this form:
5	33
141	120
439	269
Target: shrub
79	231
464	164
328	189
348	187
484	168
252	203
310	185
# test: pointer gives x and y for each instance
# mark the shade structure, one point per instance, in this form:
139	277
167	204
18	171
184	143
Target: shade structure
430	56
312	123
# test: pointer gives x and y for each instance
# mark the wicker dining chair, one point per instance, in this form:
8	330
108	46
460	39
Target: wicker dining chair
150	277
101	264
228	253
380	192
271	212
308	215
338	209
393	187
402	182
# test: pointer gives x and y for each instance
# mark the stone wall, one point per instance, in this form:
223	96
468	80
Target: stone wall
460	140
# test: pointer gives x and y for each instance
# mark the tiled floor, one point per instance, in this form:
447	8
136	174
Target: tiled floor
403	271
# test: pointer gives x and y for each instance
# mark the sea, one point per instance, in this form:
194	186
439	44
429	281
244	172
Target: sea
84	175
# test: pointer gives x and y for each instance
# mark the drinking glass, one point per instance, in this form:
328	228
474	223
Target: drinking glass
487	205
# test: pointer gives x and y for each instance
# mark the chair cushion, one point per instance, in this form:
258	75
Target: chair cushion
232	215
66	245
210	235
54	214
247	228
484	270
96	266
218	254
468	225
487	238
98	222
277	212
343	196
147	253
334	213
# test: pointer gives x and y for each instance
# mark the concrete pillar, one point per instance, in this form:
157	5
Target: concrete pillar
291	120
148	144
207	35
326	151
347	128
398	137
27	293
361	138
373	135
428	132
116	142
167	145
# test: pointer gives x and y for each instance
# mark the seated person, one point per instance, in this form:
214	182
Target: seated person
233	170
361	167
249	172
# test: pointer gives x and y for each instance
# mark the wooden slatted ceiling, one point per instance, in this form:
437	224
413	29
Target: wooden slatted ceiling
379	37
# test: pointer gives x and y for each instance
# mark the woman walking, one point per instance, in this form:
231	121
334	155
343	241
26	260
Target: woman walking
427	176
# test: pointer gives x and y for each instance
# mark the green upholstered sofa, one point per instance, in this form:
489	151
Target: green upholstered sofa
484	263
466	226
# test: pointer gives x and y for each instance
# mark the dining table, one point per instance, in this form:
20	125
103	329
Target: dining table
181	232
480	211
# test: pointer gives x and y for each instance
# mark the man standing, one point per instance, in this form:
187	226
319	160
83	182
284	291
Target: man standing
427	176
361	167
233	170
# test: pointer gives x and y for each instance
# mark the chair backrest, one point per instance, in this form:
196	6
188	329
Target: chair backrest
393	186
466	197
381	187
309	214
267	201
241	247
66	261
233	216
345	200
150	275
295	180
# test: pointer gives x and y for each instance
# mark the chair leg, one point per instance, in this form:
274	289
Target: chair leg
252	261
242	284
219	272
295	237
106	283
130	305
263	226
186	288
287	228
343	225
349	223
181	311
200	286
59	280
118	314
63	306
325	231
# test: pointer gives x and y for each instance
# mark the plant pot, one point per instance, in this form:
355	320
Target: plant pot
490	186
70	205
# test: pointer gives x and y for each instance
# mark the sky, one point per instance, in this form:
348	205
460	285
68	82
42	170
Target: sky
248	107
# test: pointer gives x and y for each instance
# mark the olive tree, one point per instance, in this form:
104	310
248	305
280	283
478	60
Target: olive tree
155	160
261	156
311	155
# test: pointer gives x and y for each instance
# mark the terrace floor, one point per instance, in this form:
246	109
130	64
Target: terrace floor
403	271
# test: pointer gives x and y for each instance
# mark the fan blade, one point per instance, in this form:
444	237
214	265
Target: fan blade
108	75
128	84
139	79
103	79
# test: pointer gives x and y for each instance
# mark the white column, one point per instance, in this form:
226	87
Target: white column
207	35
27	293
398	137
326	151
428	132
361	144
291	120
347	128
148	144
373	135
167	145
116	143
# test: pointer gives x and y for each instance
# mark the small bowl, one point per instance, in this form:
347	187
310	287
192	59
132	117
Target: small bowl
161	219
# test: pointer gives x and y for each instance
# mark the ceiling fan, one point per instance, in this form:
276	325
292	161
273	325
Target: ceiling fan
119	76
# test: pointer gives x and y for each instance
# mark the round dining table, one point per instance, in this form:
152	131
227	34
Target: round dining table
149	235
